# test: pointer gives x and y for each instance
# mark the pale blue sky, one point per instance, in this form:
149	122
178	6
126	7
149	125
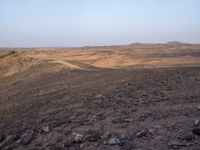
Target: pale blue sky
52	23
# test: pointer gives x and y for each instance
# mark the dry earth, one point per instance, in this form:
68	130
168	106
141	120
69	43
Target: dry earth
139	96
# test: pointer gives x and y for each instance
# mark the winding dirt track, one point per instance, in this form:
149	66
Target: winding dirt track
71	66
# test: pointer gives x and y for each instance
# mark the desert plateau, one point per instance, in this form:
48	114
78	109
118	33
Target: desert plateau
129	97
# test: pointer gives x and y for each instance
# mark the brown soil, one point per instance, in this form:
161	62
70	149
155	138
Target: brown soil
103	98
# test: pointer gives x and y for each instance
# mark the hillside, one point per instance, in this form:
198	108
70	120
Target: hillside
138	96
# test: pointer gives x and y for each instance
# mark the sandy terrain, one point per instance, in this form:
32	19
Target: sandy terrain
138	96
114	57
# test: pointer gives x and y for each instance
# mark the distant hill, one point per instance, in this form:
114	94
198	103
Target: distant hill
176	43
171	43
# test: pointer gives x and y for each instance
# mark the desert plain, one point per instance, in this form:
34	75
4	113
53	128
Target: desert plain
128	97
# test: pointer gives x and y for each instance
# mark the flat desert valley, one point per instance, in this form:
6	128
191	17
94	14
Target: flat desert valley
130	97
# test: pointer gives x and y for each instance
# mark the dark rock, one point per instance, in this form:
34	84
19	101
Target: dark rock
176	143
141	133
67	142
123	136
58	129
188	137
196	131
8	140
152	148
127	145
59	146
113	141
107	147
2	137
93	135
13	145
127	120
105	136
26	138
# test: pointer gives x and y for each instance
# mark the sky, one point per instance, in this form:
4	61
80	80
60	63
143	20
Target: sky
72	23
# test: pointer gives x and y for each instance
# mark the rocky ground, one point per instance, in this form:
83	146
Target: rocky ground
107	109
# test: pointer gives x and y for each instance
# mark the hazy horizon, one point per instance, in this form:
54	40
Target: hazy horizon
76	23
82	46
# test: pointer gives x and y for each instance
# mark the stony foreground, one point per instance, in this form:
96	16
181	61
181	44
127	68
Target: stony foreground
125	109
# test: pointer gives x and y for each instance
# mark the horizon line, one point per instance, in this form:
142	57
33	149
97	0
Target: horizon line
84	46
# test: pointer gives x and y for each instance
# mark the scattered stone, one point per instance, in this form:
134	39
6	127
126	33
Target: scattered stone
63	145
99	95
139	149
7	141
59	146
196	131
141	133
93	135
113	141
82	146
105	136
67	143
151	148
127	145
58	129
123	136
188	137
158	138
26	138
175	143
196	123
152	131
128	120
45	129
2	137
77	137
107	147
198	107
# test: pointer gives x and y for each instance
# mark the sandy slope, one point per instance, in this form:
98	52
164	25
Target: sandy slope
102	57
